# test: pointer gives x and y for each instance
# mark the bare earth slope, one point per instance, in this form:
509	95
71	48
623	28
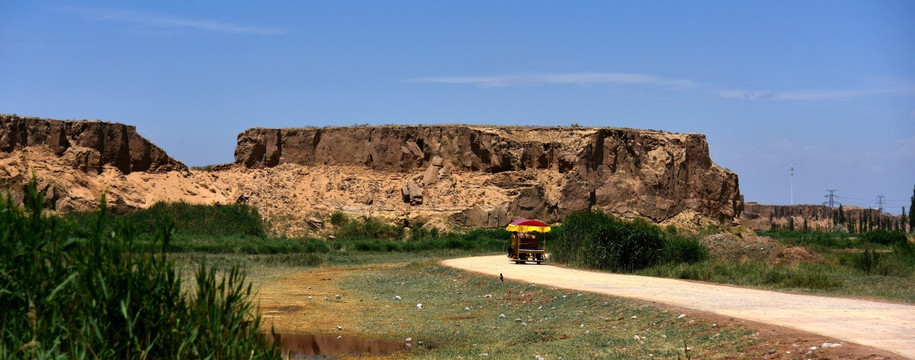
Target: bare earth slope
879	324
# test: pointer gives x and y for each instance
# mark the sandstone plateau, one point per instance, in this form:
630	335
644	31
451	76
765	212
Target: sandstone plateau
447	175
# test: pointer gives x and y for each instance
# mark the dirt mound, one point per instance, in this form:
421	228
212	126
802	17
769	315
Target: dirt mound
755	248
791	255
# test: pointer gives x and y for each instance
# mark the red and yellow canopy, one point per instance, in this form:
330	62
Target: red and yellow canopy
528	225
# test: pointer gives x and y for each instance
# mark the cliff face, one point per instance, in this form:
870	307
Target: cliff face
87	145
531	172
75	162
439	175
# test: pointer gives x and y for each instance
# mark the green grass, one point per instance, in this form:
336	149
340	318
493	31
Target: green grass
458	319
815	238
864	265
239	229
475	240
79	290
870	271
751	273
213	221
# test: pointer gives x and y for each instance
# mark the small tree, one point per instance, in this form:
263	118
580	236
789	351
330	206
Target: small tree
912	213
902	220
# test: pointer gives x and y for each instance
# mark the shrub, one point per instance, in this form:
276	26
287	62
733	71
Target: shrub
189	219
905	251
370	228
602	241
885	237
419	232
897	263
338	219
198	219
806	238
680	249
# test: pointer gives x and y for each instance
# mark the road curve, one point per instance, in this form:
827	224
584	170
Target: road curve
882	325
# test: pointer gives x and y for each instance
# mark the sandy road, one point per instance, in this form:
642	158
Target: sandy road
882	325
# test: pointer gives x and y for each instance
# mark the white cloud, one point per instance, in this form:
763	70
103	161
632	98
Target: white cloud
580	79
812	95
171	22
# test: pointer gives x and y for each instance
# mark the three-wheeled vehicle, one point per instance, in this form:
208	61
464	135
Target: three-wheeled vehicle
528	240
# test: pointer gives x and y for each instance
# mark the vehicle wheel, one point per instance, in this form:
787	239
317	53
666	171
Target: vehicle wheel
538	263
519	262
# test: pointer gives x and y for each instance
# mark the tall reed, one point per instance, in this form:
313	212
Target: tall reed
86	294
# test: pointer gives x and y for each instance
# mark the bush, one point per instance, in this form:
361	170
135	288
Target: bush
419	232
898	263
806	238
215	220
338	219
683	250
602	241
370	228
197	219
885	237
69	296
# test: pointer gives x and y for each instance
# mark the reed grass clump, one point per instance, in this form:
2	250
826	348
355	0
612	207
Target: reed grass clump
79	290
602	241
192	220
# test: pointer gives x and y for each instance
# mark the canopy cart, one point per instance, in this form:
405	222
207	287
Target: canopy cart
528	240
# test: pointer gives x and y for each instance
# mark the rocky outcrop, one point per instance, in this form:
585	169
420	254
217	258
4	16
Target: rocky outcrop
542	172
442	176
87	145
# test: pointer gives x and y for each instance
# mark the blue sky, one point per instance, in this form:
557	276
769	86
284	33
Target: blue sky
826	85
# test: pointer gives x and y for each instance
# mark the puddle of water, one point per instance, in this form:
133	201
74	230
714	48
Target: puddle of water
318	346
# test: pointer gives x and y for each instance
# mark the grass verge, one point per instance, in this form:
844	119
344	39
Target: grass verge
462	316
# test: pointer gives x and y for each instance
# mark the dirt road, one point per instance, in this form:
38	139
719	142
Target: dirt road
882	325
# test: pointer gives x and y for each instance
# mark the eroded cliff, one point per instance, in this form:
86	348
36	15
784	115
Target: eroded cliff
443	176
527	171
87	145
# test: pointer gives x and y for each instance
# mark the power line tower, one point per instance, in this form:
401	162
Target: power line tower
832	198
880	200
